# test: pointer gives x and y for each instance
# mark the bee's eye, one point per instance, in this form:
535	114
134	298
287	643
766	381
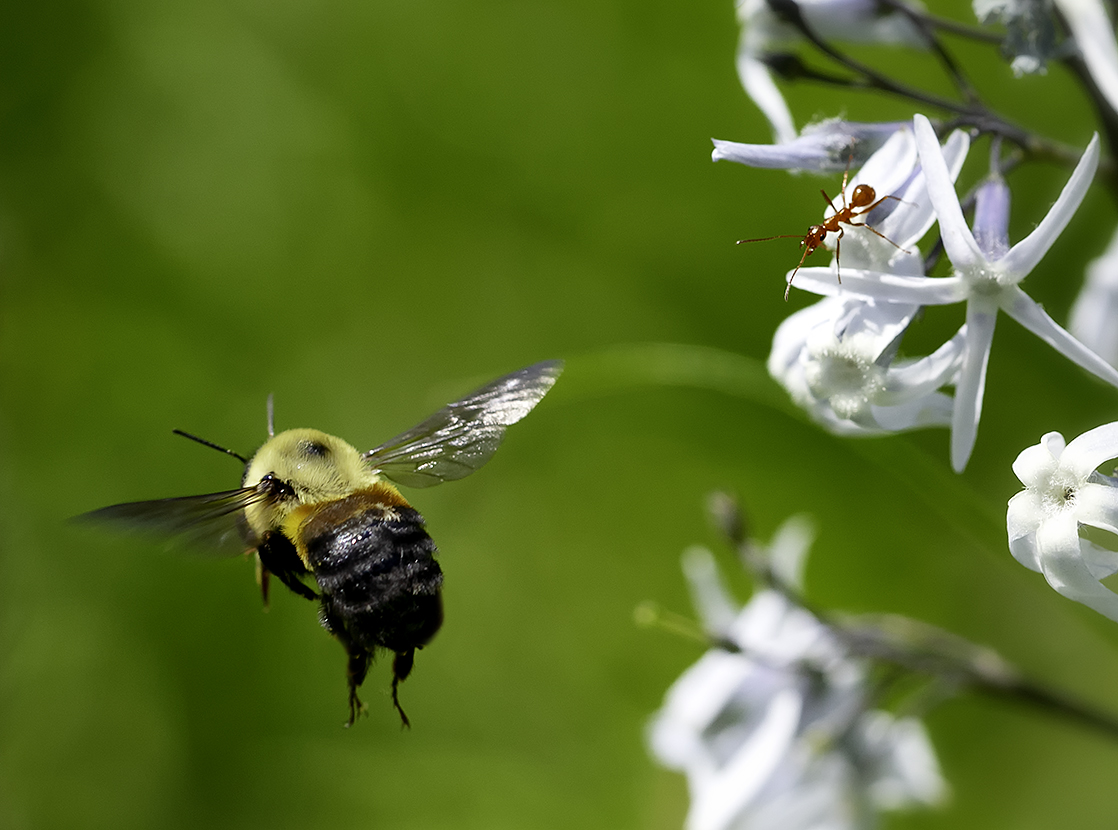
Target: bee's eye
315	448
276	488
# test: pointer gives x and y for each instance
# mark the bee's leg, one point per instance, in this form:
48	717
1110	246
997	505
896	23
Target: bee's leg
401	668
262	580
356	670
277	555
359	657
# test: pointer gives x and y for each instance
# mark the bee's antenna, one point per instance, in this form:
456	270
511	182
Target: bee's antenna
211	445
271	416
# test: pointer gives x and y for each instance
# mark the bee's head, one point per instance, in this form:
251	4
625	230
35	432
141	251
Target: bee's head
315	466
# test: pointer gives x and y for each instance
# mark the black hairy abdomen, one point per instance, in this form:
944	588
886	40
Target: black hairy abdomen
377	576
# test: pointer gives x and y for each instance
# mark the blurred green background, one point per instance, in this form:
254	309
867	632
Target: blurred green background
368	208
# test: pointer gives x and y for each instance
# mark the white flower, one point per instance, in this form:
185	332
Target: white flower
777	735
836	359
859	21
987	273
826	147
1064	500
1094	316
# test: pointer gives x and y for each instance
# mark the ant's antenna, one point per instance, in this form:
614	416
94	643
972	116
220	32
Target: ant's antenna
271	416
211	445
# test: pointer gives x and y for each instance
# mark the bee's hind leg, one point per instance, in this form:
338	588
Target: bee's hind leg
401	668
359	657
356	670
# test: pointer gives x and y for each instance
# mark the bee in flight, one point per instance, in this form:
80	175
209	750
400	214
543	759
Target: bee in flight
312	506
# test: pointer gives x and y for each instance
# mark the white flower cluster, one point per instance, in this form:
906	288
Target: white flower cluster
837	358
778	728
778	732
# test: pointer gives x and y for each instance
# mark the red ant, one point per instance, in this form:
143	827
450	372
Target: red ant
862	201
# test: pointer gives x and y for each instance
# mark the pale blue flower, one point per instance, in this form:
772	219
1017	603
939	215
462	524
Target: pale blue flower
778	736
986	277
826	147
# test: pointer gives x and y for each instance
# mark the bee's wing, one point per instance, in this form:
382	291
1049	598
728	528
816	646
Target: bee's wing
463	435
213	521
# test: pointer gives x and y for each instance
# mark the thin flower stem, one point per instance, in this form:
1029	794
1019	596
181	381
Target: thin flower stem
973	114
907	644
1026	692
944	24
789	11
1107	118
950	65
925	649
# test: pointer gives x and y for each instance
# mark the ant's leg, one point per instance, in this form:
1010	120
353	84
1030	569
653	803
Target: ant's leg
863	211
838	254
879	233
810	243
827	199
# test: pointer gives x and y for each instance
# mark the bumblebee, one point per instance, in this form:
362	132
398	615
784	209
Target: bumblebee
312	507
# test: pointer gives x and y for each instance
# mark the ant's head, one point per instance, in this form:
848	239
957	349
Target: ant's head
813	238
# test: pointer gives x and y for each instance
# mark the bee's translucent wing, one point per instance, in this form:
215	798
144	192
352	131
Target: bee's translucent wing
213	521
463	435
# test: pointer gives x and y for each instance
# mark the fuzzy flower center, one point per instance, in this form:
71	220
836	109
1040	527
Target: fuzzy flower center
1058	491
843	372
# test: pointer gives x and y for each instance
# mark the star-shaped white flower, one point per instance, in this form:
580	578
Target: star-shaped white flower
1064	498
986	278
777	735
836	359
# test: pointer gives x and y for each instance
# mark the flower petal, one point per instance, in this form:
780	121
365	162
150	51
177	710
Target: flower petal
759	85
882	286
719	799
1063	566
716	608
789	548
931	410
1025	255
1086	452
1022	308
1097	505
971	383
1036	464
907	227
887	170
824	147
957	238
1023	517
1096	307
